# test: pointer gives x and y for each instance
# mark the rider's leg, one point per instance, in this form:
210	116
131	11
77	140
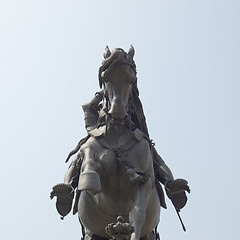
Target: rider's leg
162	171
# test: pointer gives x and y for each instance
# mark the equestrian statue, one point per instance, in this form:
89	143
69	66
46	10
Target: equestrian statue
117	172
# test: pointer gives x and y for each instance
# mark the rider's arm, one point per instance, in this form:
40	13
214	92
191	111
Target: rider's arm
162	171
91	111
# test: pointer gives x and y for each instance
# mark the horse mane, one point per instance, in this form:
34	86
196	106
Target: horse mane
137	115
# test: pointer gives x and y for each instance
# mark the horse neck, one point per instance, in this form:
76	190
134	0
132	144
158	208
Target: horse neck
116	131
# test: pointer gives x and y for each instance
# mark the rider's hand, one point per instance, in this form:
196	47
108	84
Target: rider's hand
65	194
176	191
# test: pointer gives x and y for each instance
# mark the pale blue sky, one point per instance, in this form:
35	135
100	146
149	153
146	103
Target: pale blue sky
188	58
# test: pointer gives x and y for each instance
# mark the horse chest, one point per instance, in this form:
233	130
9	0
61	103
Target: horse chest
114	178
109	162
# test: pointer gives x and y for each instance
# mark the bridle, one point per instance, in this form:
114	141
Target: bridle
106	101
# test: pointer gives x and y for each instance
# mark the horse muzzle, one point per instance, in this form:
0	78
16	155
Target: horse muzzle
117	114
117	121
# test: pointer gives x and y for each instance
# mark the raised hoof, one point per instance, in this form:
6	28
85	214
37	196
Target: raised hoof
89	181
134	237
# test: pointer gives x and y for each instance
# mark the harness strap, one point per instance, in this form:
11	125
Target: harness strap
137	137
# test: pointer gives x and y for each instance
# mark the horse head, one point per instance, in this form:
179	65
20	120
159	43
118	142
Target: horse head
117	75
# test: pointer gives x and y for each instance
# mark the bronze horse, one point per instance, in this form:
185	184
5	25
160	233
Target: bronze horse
117	169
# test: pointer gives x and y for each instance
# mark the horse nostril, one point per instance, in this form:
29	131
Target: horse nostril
122	115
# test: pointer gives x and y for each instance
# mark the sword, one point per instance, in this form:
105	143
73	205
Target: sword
177	211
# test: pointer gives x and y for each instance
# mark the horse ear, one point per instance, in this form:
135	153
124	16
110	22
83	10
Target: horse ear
131	52
106	53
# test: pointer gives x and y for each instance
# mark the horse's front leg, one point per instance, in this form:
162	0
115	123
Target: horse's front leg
137	215
89	179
